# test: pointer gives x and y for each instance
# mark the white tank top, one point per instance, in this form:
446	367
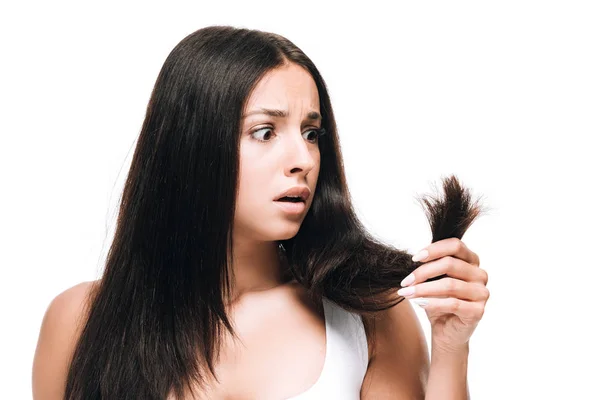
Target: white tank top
346	357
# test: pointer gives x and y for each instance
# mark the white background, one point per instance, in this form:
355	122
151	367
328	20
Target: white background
506	95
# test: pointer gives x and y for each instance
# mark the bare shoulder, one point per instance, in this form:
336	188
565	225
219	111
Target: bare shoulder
398	355
60	329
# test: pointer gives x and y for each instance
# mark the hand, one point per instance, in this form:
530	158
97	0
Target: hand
454	304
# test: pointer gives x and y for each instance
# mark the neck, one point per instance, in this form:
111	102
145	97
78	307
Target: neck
256	268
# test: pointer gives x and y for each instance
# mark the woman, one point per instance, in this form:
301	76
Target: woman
239	269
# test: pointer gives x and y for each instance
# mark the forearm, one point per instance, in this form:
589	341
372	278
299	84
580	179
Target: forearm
448	374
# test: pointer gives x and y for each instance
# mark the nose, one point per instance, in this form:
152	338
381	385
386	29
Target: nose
299	158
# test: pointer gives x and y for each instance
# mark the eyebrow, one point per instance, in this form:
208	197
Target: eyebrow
312	115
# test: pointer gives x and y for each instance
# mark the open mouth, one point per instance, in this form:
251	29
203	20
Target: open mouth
291	199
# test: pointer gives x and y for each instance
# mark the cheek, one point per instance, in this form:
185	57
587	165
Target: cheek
254	190
317	167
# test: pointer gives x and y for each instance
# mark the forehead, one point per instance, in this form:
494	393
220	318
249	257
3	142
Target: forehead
289	87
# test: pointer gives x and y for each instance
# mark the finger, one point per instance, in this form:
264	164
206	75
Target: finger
450	266
447	247
465	310
447	287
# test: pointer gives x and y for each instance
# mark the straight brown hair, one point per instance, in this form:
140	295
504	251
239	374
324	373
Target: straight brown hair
157	319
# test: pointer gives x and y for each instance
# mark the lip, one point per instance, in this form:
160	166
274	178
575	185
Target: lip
292	208
302	191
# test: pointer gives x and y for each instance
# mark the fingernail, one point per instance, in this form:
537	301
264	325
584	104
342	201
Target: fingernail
423	254
408	280
407	291
420	301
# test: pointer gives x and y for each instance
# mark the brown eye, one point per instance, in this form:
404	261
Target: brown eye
313	136
259	130
316	133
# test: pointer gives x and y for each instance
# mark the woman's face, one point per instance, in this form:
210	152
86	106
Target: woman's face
277	153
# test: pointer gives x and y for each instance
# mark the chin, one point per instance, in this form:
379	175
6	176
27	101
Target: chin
289	231
288	234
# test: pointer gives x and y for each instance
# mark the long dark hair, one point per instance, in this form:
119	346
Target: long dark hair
157	318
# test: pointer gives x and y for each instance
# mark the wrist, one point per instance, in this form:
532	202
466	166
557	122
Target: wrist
441	349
